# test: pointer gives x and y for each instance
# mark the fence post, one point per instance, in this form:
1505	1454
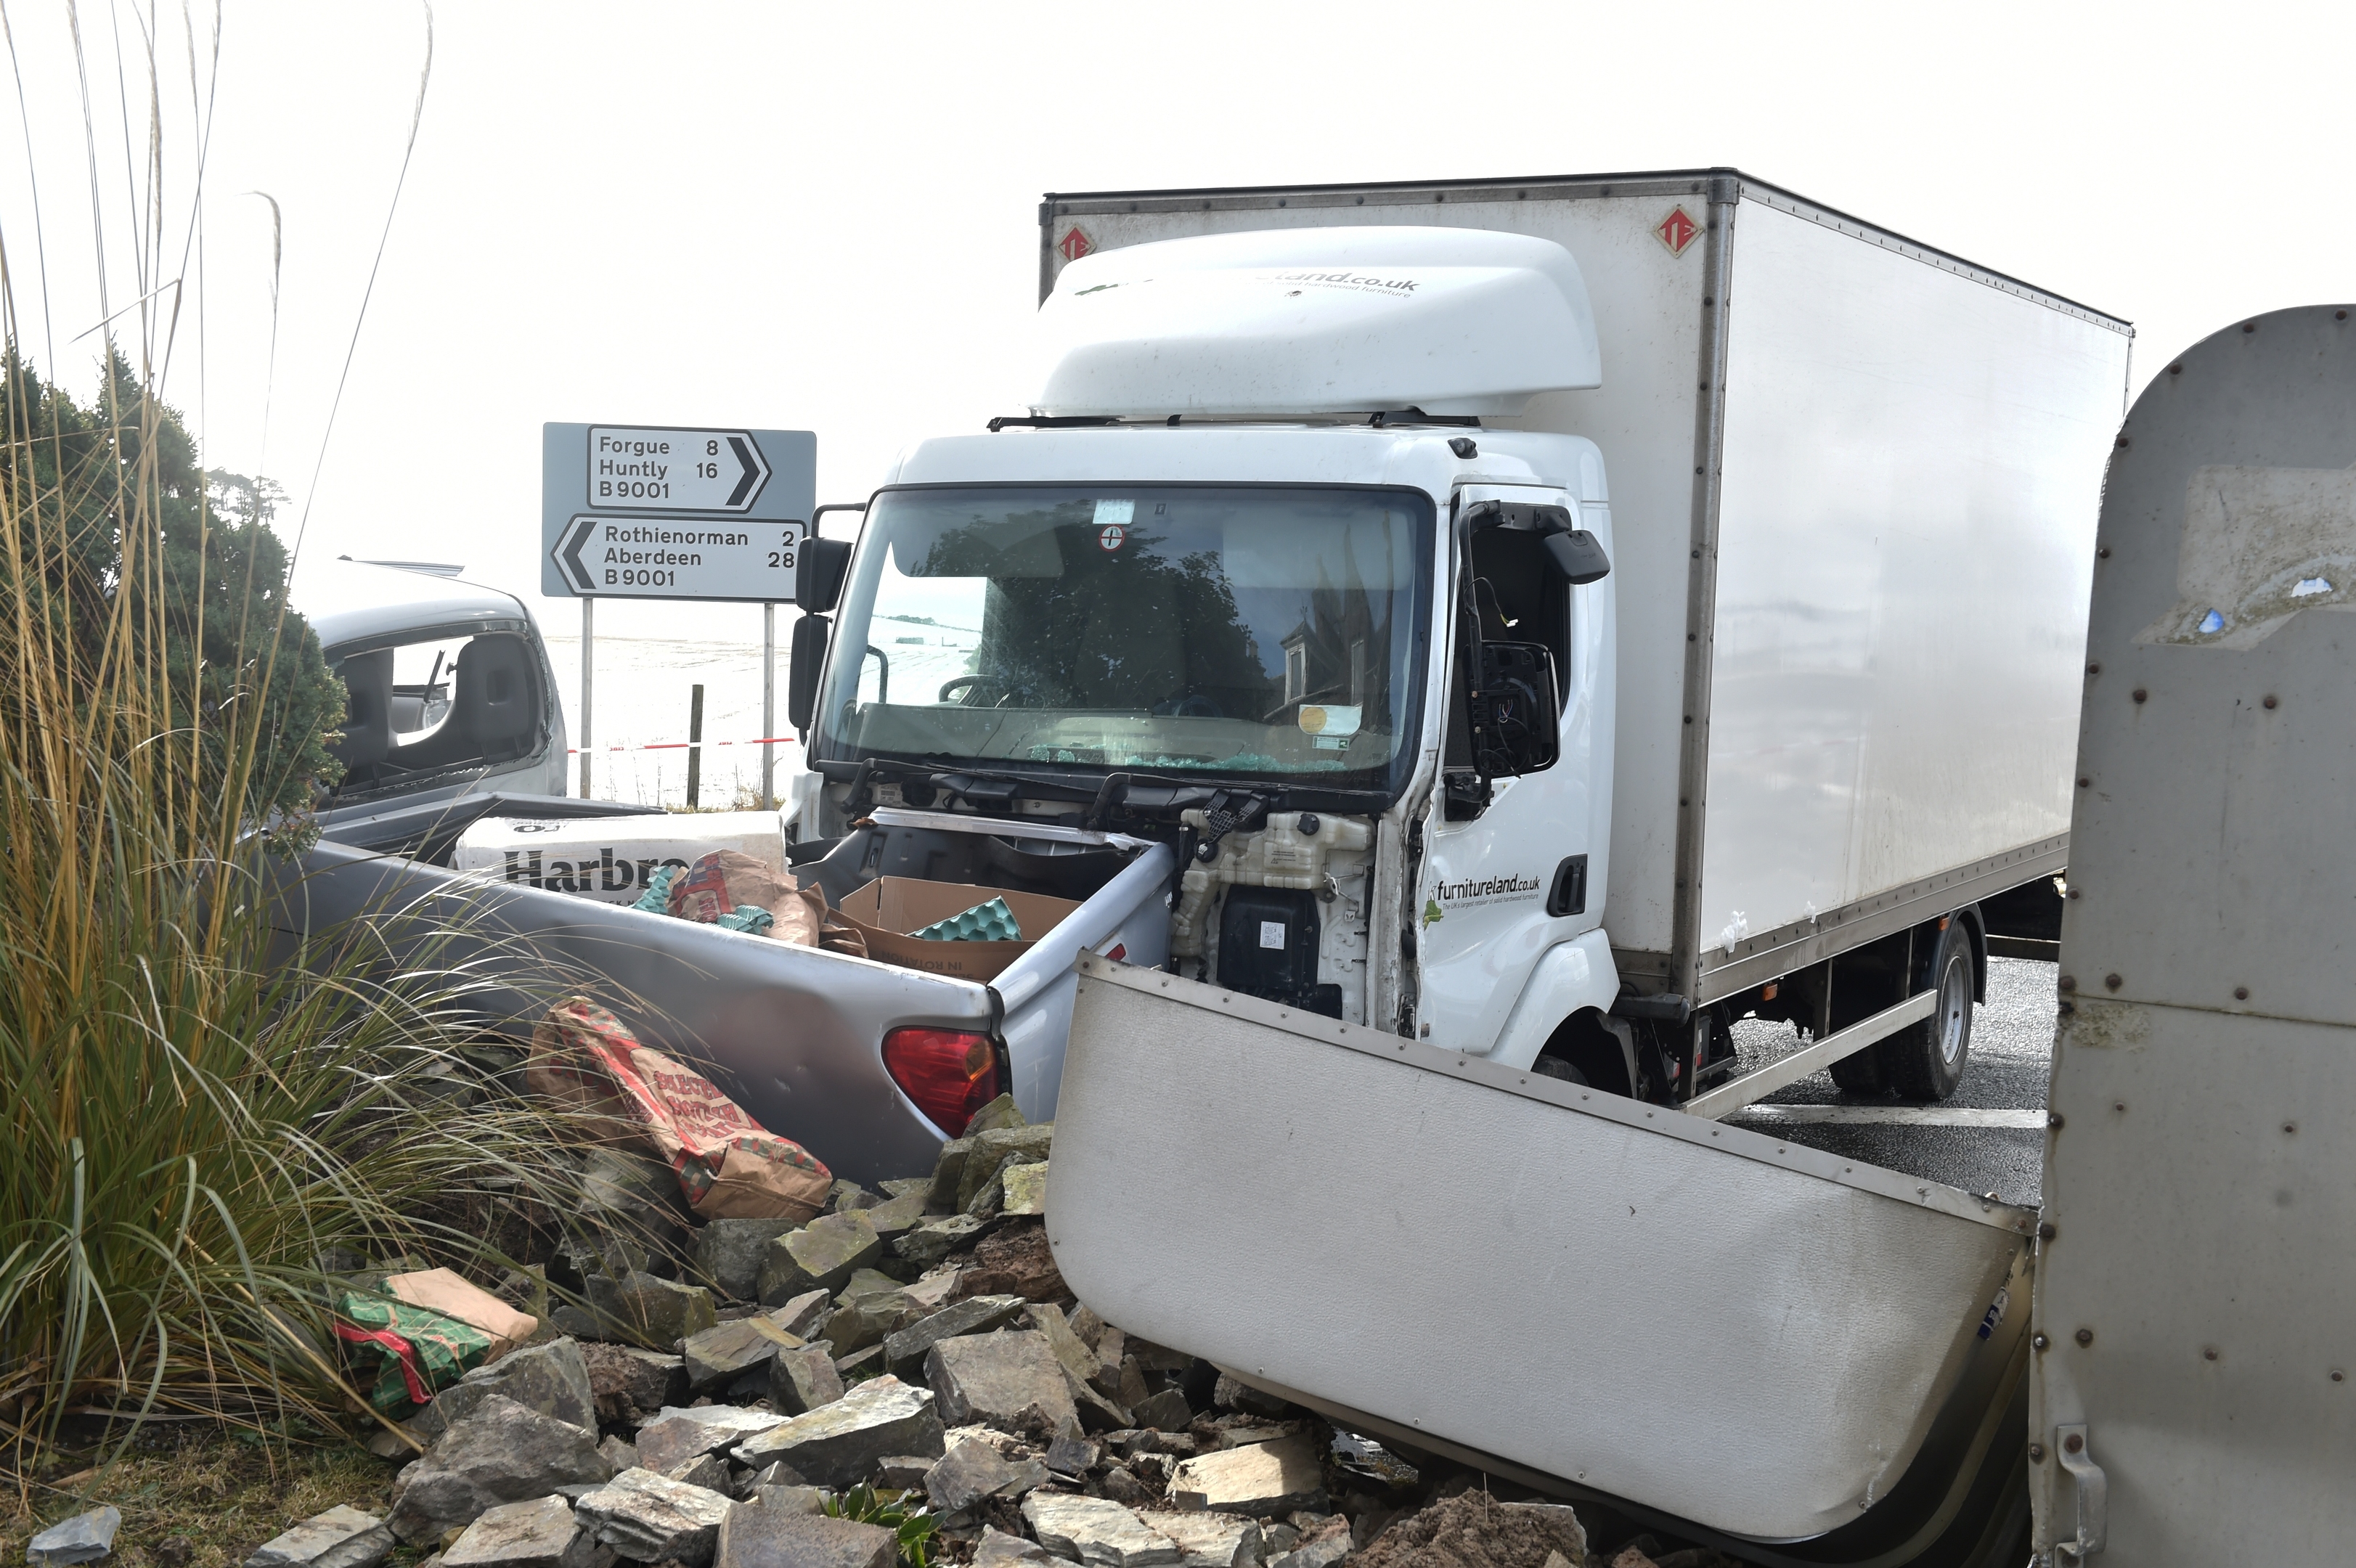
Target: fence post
694	744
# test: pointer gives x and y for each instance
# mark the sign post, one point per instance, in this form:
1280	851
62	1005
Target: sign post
675	512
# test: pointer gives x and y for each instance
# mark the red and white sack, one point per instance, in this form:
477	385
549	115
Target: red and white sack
730	1167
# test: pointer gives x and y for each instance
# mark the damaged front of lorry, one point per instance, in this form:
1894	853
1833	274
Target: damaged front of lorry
1227	631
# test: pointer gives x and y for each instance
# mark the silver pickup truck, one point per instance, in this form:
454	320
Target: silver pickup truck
454	719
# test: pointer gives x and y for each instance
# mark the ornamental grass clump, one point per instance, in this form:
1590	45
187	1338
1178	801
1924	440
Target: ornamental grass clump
209	1121
213	1122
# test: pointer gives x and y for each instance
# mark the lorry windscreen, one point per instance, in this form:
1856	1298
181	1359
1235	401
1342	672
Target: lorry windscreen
1256	631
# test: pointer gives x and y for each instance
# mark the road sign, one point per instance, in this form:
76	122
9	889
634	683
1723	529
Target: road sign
675	470
670	512
677	557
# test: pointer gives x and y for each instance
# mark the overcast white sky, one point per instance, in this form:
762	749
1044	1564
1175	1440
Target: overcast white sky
823	217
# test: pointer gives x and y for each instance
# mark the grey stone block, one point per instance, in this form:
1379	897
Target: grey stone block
895	1215
974	1471
821	1255
719	1355
1164	1412
999	1550
85	1538
1096	1531
1211	1540
802	1379
629	1381
649	1517
802	1314
905	1350
838	1444
764	1537
516	1535
498	1453
728	1252
1026	1187
659	1312
948	1173
929	1242
789	1500
676	1435
993	1151
552	1379
340	1538
902	1472
1258	1478
1007	1380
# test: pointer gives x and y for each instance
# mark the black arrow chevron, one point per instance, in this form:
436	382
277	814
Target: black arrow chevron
567	550
755	472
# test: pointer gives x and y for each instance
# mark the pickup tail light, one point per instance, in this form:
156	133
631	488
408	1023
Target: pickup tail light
949	1073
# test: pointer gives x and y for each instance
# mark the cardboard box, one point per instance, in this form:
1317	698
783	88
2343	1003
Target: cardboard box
609	859
888	908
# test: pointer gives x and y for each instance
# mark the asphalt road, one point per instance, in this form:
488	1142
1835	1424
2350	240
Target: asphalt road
2011	1061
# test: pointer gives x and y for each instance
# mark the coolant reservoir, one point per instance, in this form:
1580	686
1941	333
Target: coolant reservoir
1290	853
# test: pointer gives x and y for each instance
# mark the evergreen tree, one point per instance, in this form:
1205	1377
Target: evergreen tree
208	579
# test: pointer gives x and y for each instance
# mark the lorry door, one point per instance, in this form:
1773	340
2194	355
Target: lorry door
2192	1398
1495	893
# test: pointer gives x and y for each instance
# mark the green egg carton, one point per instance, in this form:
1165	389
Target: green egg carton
746	917
656	899
991	922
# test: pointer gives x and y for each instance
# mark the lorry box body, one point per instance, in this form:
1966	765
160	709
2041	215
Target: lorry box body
1852	484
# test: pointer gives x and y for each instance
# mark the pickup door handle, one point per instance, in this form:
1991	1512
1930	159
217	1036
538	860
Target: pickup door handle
2093	1494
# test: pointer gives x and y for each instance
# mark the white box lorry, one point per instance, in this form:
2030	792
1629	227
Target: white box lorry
1550	620
1801	1359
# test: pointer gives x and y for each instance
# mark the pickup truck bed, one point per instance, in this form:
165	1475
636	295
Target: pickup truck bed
794	1033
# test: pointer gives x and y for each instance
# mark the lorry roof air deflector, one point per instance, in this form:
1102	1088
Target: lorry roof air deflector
1787	1322
1451	321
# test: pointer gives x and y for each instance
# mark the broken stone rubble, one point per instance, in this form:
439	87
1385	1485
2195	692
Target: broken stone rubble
924	1343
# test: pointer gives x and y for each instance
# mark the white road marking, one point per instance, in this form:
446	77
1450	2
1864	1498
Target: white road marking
1891	1115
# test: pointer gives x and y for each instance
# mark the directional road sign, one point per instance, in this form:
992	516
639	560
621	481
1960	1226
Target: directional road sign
667	512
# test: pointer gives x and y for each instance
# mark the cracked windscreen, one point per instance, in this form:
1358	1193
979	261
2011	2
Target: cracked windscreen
1176	628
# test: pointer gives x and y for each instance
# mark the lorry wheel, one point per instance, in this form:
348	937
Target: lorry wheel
1859	1072
1926	1061
1554	1067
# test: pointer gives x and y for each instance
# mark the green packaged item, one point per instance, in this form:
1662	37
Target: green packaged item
656	899
991	922
415	1352
746	917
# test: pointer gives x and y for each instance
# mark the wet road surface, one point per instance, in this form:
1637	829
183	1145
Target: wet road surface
1989	1138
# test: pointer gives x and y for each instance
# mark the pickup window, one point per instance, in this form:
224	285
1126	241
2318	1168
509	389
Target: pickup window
435	704
1218	629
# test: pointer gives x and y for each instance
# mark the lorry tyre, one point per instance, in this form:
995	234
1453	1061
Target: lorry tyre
1859	1072
1554	1067
1926	1061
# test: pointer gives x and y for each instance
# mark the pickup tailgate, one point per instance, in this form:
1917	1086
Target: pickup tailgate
1749	1335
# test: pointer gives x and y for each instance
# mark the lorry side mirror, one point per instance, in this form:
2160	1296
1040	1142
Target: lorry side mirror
1578	555
1515	711
807	658
819	573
